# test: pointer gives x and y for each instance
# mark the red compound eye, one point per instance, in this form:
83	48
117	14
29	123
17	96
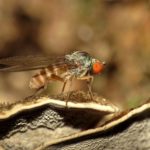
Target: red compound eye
97	67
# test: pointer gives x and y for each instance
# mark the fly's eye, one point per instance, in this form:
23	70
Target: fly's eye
97	67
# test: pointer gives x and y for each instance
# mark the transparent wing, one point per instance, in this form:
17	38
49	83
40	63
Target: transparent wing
24	63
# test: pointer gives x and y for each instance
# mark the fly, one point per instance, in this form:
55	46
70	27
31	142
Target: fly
79	65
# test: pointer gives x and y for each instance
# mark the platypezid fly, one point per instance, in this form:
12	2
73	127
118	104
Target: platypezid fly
79	65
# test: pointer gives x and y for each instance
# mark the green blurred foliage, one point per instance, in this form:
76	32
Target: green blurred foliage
117	31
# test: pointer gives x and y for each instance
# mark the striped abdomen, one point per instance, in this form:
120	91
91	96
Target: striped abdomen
46	75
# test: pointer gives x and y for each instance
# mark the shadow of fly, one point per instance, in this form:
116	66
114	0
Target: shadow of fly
79	65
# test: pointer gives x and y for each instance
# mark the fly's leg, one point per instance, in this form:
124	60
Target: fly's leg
49	78
69	94
89	84
68	78
89	81
65	81
63	89
38	91
64	85
57	78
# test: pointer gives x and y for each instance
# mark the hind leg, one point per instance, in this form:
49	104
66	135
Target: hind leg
53	77
37	92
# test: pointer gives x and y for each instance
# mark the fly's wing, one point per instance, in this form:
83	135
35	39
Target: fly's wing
24	63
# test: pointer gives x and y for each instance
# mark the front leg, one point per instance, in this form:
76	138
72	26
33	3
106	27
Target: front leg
89	82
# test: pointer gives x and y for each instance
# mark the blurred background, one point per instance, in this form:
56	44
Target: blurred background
116	31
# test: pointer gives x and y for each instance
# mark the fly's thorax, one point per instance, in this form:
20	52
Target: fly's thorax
83	62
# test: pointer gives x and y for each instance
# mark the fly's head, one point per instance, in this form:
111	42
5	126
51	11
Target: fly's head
96	66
